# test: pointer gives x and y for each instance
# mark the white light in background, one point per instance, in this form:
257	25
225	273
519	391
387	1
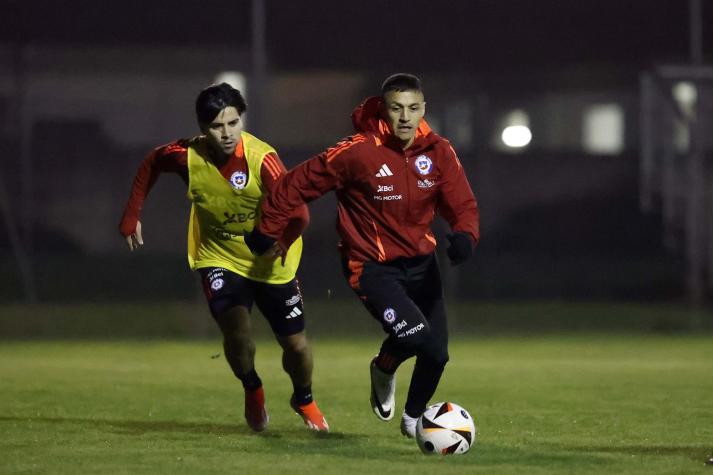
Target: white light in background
234	78
516	136
238	81
603	129
686	95
516	129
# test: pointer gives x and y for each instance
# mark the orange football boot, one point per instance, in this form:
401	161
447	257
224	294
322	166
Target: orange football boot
255	412
313	417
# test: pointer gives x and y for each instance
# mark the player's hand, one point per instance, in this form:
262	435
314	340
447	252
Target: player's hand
135	240
258	243
461	247
275	251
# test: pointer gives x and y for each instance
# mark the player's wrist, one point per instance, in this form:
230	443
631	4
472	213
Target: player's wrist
257	242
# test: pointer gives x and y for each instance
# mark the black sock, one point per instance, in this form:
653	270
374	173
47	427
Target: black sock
386	363
424	381
303	395
251	381
391	355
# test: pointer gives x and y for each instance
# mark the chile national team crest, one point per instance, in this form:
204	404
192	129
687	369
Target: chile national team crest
389	315
423	164
217	284
238	180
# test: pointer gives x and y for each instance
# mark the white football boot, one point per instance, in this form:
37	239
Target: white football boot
408	425
383	388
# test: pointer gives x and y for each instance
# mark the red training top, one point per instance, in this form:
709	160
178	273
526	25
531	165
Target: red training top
173	158
387	197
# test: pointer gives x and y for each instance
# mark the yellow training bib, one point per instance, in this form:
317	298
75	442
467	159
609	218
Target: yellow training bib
223	211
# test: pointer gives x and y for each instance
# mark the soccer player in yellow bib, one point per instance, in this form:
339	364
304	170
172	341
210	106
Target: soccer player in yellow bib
227	172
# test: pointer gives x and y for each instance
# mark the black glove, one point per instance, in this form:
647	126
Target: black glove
257	242
461	247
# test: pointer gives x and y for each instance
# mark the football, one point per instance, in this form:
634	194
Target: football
445	428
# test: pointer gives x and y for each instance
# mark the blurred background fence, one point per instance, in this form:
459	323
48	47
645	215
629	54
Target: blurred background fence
592	174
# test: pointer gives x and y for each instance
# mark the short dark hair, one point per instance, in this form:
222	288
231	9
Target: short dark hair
401	82
215	98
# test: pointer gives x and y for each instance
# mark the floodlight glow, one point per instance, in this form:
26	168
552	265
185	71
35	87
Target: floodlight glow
603	129
686	95
516	136
234	78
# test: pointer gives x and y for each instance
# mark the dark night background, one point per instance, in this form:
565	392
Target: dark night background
557	221
479	36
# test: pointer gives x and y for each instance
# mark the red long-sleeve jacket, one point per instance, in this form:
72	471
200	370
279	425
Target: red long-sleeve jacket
387	197
173	158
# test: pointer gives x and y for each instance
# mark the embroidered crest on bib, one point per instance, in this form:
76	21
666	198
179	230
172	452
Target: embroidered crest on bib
239	180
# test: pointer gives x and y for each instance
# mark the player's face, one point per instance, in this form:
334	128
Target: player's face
402	111
224	131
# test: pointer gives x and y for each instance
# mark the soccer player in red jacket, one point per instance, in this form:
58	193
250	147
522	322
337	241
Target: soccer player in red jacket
390	178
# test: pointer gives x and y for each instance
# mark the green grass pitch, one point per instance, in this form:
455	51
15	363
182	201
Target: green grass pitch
557	404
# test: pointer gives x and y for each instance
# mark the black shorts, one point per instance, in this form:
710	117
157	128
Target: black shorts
281	304
405	295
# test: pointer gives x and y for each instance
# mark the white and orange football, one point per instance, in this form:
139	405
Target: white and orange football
445	428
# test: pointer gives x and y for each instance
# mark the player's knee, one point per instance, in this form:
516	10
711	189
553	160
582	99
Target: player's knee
296	344
238	339
298	348
435	354
415	336
441	359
